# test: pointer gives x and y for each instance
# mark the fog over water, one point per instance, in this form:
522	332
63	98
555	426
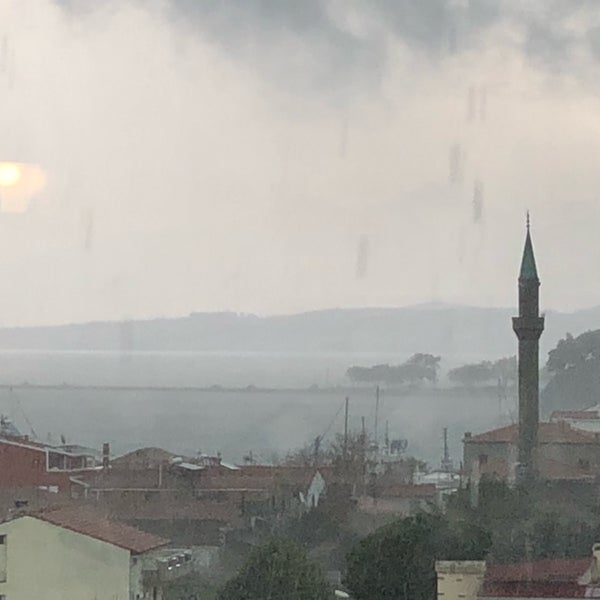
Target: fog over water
267	422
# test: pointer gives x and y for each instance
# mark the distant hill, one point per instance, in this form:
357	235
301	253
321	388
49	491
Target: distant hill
450	331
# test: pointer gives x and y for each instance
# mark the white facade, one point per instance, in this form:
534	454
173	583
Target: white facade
41	560
315	490
459	580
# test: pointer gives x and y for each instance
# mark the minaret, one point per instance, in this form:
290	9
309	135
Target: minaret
528	326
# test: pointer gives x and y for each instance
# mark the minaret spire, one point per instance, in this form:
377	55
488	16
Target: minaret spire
528	266
528	327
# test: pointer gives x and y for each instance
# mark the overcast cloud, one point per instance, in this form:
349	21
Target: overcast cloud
273	157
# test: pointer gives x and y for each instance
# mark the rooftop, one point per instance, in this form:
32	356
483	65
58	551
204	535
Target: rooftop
556	569
548	433
408	490
588	413
92	524
143	458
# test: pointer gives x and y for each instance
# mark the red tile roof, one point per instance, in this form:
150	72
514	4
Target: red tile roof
143	458
550	570
549	433
92	524
426	490
228	513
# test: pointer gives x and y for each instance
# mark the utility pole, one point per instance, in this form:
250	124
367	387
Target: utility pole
317	447
446	459
346	433
376	415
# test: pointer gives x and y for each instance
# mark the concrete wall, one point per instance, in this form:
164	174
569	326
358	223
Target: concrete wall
49	562
571	454
22	466
493	450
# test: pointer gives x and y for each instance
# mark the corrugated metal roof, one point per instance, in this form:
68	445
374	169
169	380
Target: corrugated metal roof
189	466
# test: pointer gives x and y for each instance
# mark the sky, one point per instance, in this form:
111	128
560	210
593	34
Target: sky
273	156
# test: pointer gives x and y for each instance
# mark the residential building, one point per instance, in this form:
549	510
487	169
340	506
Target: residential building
542	579
71	554
27	463
143	459
563	453
550	578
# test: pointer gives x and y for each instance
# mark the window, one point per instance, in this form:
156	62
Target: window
483	458
2	559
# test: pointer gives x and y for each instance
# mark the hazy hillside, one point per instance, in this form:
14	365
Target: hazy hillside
446	330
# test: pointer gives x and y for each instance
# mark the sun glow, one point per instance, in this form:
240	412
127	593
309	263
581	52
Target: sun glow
10	174
19	184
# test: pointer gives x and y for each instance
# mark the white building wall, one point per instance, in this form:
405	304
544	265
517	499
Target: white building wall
315	490
52	563
459	580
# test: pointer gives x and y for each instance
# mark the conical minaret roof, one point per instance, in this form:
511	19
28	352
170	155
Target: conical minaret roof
528	266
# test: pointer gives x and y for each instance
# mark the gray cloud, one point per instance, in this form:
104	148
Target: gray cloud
230	155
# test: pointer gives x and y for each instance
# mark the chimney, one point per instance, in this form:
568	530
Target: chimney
105	455
467	435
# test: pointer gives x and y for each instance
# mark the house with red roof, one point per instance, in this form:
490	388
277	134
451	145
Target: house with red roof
563	453
544	579
76	553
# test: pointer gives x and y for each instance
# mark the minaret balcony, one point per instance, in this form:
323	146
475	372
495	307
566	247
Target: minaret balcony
528	328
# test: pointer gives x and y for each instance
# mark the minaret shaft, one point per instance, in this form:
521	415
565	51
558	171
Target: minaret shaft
528	327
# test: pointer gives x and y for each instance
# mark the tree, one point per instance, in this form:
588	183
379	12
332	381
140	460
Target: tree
418	368
503	371
529	523
470	375
574	367
421	367
190	587
398	561
277	571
